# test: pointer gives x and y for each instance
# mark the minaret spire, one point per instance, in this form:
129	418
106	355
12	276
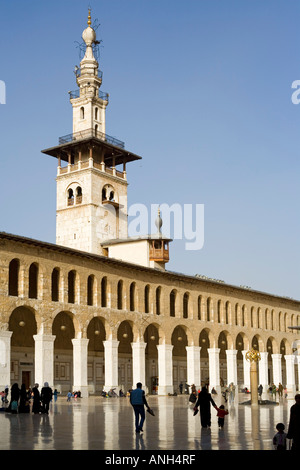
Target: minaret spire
89	18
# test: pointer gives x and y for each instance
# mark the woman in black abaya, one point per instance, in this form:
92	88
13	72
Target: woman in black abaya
204	400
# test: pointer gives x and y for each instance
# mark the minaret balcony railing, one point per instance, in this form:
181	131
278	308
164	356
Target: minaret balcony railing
91	133
76	94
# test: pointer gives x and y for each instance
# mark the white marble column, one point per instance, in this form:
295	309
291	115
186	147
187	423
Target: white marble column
290	373
231	366
111	364
263	371
246	368
138	363
80	363
165	369
277	372
44	359
214	369
193	366
5	337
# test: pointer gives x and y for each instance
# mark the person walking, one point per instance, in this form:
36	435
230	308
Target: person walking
24	400
138	402
221	413
294	424
14	398
231	389
204	401
36	405
46	397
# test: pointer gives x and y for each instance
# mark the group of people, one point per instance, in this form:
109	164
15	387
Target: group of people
21	399
273	390
204	402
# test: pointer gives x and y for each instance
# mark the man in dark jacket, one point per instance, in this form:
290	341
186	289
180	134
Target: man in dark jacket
294	424
46	397
138	402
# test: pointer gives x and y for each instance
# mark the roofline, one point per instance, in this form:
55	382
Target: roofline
113	261
135	239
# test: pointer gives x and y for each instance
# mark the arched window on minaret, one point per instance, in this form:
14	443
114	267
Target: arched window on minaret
78	195
96	114
82	112
70	197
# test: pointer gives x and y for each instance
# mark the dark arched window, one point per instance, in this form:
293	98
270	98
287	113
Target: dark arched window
157	300
13	279
55	285
147	299
172	303
132	296
33	281
104	292
120	295
71	287
78	195
90	290
70	197
185	305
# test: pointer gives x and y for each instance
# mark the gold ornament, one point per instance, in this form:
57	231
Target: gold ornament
253	355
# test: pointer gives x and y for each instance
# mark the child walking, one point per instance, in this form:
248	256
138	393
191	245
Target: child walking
279	440
221	413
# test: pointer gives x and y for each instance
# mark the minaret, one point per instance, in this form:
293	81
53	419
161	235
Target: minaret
89	107
91	174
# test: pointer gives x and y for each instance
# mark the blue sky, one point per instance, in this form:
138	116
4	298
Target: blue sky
200	89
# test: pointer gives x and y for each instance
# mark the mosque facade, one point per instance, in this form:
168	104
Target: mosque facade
98	310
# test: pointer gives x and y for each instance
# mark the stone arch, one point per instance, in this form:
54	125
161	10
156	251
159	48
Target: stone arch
65	327
206	341
257	343
151	338
272	346
285	347
242	342
96	334
23	324
125	336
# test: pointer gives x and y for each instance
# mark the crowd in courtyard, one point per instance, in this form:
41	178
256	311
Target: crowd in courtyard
21	400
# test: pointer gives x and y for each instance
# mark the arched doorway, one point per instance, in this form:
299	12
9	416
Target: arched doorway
179	341
125	338
23	325
96	368
64	332
151	338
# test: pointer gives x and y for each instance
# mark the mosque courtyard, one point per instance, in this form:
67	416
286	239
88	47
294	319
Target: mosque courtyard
107	424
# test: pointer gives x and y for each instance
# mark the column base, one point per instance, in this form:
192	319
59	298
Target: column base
164	389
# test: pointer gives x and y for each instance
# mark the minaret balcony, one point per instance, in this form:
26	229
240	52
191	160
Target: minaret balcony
101	94
159	251
91	133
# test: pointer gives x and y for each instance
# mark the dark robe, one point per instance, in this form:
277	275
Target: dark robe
36	406
204	400
294	426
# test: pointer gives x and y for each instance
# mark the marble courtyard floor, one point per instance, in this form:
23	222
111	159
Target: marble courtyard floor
97	423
